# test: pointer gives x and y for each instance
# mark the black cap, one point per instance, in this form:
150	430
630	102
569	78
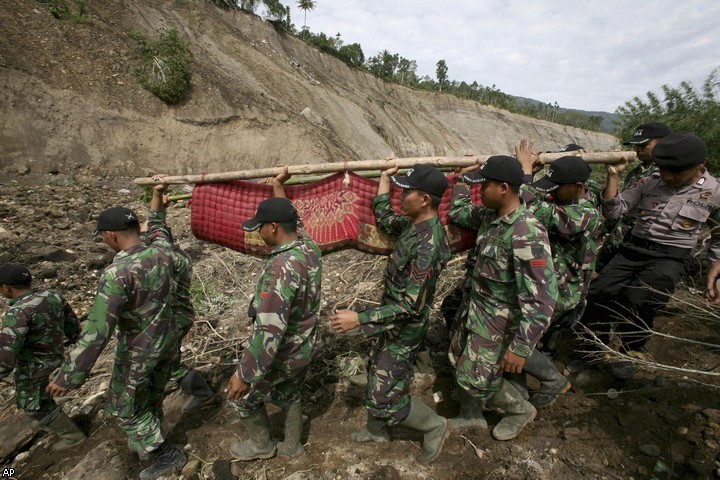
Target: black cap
271	210
572	147
116	219
564	170
501	168
14	275
425	177
645	131
679	151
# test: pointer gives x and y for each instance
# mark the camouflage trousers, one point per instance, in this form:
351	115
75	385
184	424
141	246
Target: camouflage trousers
180	370
284	389
136	395
387	395
30	393
477	363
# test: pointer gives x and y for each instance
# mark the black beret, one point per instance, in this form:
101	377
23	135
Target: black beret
14	275
679	151
116	219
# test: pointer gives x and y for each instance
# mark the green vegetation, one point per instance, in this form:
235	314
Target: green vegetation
73	10
166	69
683	108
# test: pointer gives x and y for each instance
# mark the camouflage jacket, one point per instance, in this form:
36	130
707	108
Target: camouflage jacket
182	305
286	306
135	295
32	333
421	252
573	230
514	289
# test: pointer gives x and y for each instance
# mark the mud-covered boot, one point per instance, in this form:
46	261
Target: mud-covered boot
169	458
375	431
202	395
292	445
552	382
66	430
518	412
435	428
470	415
519	381
258	446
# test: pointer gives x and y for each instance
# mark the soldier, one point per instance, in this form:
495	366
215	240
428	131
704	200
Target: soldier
400	323
671	206
565	207
31	342
135	296
190	381
285	330
646	136
512	296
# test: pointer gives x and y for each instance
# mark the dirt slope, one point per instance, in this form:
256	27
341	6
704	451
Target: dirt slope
70	102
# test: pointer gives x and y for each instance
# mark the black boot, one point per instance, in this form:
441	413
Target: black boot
194	384
292	445
552	382
375	431
169	458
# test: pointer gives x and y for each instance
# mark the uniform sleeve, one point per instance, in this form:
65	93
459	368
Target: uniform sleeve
71	325
462	211
386	218
158	234
103	317
12	338
276	289
537	289
623	202
413	298
714	224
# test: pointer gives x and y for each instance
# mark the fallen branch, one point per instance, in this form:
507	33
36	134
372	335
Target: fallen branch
352	166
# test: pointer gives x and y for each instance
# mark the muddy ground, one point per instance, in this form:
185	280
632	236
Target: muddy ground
660	425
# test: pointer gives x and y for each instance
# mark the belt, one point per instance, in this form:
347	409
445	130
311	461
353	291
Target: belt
658	247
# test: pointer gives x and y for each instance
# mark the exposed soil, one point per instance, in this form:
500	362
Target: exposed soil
584	435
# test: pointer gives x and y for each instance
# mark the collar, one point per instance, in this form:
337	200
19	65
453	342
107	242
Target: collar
287	246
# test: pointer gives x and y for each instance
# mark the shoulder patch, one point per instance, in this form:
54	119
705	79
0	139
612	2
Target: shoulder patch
538	262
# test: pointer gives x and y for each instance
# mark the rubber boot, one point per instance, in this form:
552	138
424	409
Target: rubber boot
375	431
470	415
518	412
194	384
169	458
519	381
66	430
552	382
258	446
292	445
435	428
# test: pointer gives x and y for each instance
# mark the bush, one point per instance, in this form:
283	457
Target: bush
62	10
166	70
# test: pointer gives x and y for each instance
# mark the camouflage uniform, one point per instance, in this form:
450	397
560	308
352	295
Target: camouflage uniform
572	230
615	230
135	295
400	323
182	306
285	330
31	341
512	295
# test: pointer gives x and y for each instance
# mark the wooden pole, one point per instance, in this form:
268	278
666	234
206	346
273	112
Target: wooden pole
352	166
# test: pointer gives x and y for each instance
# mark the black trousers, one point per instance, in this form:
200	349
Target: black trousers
629	291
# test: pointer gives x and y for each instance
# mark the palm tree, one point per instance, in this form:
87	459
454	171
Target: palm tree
306	5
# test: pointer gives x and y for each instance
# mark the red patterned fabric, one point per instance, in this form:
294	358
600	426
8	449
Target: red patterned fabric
336	216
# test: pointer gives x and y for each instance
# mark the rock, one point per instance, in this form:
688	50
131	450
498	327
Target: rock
106	461
15	432
312	117
571	432
681	430
712	414
190	467
626	419
21	457
650	450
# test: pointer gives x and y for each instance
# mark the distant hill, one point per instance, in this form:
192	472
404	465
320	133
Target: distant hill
607	123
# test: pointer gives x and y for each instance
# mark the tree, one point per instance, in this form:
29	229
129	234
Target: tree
305	6
683	108
441	73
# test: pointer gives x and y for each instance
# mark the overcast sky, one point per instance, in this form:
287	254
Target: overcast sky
585	54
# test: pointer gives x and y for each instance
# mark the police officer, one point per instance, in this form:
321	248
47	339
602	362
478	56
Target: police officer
566	208
670	206
512	295
135	296
400	323
644	139
31	342
285	331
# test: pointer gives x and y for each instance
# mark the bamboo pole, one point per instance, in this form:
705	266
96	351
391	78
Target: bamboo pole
352	166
